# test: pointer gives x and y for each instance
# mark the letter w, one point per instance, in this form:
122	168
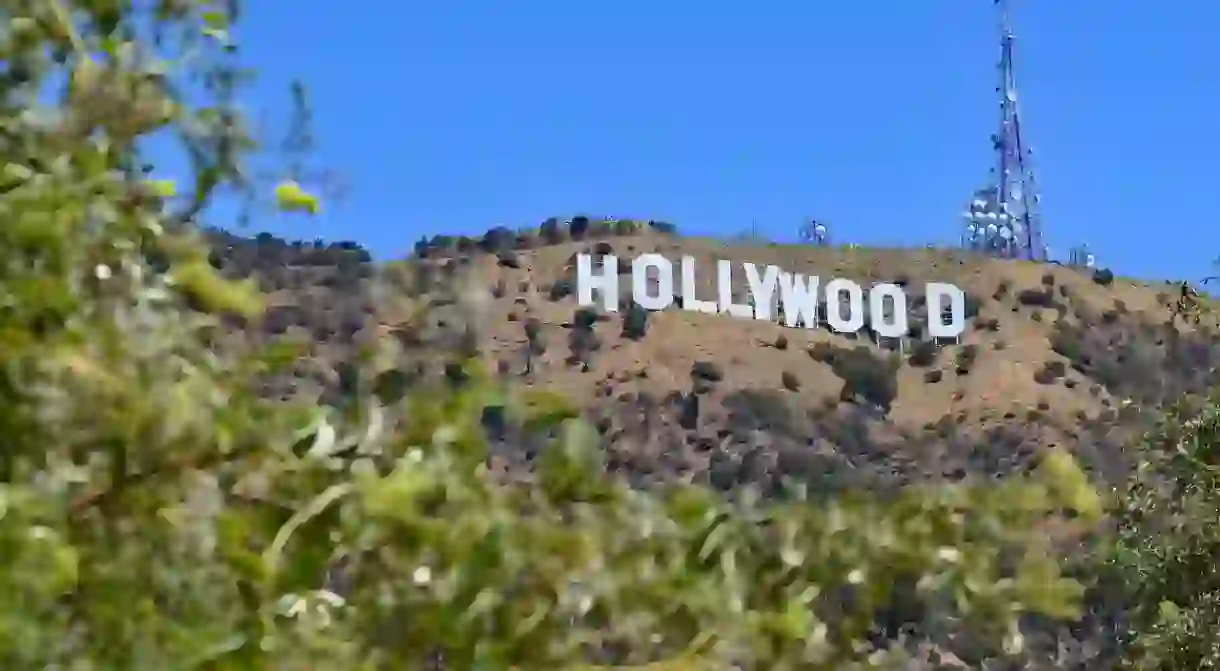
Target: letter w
800	298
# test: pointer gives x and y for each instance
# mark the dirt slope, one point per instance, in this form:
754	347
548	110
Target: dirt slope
1052	355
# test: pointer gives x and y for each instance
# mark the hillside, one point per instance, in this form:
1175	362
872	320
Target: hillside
1052	355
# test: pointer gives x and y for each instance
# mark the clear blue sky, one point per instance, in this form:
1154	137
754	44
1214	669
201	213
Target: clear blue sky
874	115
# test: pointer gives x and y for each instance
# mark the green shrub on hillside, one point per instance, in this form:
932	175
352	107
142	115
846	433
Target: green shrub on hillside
1168	544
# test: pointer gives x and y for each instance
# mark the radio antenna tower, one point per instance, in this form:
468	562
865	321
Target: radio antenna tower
1004	218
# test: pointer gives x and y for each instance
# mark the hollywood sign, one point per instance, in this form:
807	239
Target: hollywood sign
798	296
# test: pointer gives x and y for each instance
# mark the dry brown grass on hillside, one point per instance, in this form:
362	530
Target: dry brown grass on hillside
1051	355
1010	351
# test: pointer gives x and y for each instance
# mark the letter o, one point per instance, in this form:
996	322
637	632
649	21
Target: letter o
897	327
834	306
665	281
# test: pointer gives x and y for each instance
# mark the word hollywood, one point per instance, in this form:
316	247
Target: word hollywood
798	296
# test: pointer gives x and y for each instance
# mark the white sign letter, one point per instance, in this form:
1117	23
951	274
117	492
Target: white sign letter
800	297
724	289
606	282
762	289
896	326
937	294
689	301
855	306
665	281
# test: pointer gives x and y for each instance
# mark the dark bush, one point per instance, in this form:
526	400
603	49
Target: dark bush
688	417
579	227
1103	277
1066	341
280	318
923	353
551	231
822	352
443	243
761	409
508	259
497	240
1042	298
456	374
966	357
790	381
532	327
973	305
663	227
866	376
626	227
537	345
561	289
584	318
601	229
635	322
707	370
582	344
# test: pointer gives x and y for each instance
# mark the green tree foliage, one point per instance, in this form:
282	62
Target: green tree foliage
1168	544
155	513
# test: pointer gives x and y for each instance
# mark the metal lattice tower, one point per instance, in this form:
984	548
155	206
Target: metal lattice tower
1003	218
